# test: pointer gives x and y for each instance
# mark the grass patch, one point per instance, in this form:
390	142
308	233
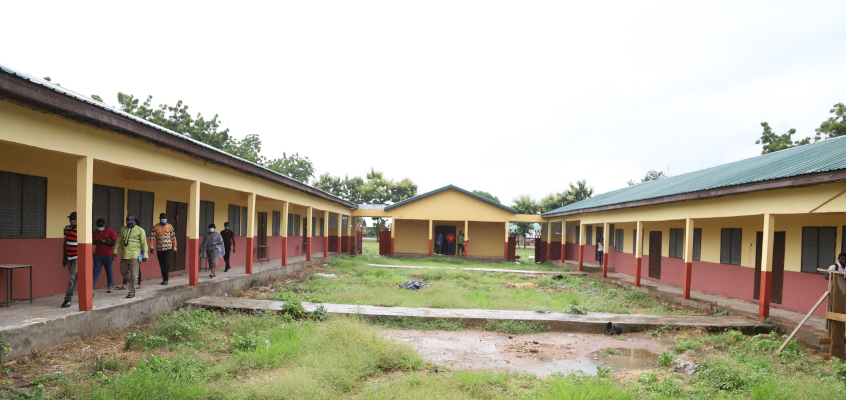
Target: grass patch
514	327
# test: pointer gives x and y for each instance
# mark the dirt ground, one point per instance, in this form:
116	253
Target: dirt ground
541	353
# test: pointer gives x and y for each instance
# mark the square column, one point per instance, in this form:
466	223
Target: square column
326	234
340	227
283	230
766	266
582	234
430	238
85	255
605	233
548	239
393	232
563	241
251	230
506	241
308	233
688	257
638	252
466	235
193	233
350	242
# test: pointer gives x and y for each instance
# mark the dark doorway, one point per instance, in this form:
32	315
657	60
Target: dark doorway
598	254
778	267
655	254
446	230
177	214
385	243
512	247
305	238
262	236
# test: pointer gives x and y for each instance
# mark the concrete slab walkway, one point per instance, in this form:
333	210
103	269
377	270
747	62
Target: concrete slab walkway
44	324
556	321
516	271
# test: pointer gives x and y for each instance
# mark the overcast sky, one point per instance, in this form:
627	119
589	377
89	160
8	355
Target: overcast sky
506	97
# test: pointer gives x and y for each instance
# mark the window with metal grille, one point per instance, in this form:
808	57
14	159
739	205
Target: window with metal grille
322	221
818	247
235	219
244	214
297	223
313	223
108	205
277	217
578	235
677	243
556	229
697	244
333	221
589	234
23	205
611	236
634	241
731	241
206	216
618	240
291	224
140	204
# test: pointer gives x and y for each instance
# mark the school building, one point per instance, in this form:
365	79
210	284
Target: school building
64	152
756	229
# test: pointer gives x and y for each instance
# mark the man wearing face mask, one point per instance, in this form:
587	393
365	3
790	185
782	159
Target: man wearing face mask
228	243
164	243
104	239
133	240
69	257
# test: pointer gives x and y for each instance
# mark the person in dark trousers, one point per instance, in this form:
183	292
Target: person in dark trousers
69	257
163	244
133	240
461	243
439	243
138	285
600	248
228	243
104	241
450	238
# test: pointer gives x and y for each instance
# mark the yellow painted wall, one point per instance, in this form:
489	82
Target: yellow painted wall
451	205
411	236
47	132
486	239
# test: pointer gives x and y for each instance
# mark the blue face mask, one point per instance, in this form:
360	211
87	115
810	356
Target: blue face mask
101	228
164	220
130	224
211	230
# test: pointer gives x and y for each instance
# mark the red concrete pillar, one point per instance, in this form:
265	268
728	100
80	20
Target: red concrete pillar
350	247
339	245
250	242
605	264
764	296
688	271
547	251
466	247
84	276
563	252
326	246
284	251
637	271
308	248
581	257
193	249
430	247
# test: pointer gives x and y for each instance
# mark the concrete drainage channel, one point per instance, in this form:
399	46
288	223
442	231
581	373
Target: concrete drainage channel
472	318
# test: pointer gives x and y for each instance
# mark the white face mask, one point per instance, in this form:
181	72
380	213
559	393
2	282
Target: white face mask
211	230
101	228
164	220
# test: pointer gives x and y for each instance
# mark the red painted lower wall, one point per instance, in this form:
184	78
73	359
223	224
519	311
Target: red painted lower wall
295	246
572	251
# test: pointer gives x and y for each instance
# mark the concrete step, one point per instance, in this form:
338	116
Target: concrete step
555	321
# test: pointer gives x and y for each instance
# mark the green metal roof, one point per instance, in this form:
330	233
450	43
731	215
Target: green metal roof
827	155
420	196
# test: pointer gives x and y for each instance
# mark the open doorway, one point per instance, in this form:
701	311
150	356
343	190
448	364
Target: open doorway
445	230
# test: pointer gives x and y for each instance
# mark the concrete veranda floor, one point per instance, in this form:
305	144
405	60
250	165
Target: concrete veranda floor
45	323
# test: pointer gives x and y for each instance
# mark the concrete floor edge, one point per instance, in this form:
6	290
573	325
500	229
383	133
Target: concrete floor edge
80	325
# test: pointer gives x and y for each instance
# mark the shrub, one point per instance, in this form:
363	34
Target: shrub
665	359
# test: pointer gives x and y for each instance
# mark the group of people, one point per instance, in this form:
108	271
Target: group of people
446	244
132	245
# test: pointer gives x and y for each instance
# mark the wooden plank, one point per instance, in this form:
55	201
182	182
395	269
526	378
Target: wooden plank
808	315
831	272
825	340
837	305
835	316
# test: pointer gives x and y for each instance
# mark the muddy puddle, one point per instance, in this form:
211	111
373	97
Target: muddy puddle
540	354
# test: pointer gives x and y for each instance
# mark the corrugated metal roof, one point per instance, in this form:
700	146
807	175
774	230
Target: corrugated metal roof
827	155
469	193
81	97
371	206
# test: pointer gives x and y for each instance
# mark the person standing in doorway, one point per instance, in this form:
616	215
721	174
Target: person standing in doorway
228	243
104	239
164	244
133	240
461	243
450	238
439	243
69	257
211	247
600	249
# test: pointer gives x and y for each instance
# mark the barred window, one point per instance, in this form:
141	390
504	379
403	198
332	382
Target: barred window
206	215
277	217
322	224
589	234
618	240
23	205
235	219
697	244
108	205
819	246
730	245
677	243
140	204
244	222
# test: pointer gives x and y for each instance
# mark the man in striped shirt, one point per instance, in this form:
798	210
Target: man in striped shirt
69	257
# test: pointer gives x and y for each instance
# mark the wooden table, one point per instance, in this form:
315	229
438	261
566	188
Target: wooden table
9	275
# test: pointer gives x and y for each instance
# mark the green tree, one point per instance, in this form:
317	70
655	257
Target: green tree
773	142
525	204
98	98
652	175
177	119
834	126
487	195
294	166
576	192
248	148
